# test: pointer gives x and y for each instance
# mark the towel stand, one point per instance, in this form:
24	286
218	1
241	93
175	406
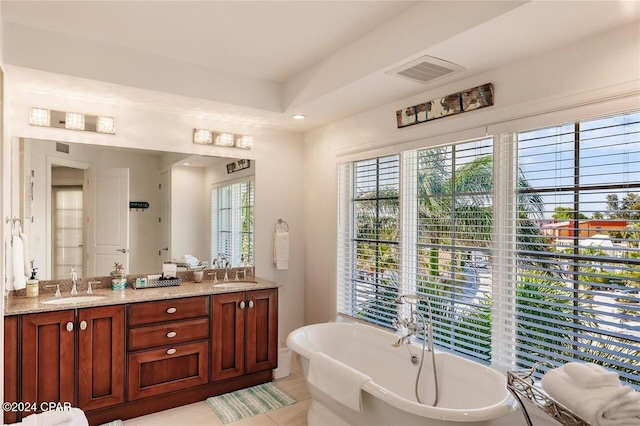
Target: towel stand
281	225
521	384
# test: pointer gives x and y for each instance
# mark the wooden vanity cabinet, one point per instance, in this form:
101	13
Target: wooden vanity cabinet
244	333
48	356
168	346
11	366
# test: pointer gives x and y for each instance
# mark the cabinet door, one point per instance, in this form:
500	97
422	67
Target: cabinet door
262	330
100	357
227	335
11	366
48	348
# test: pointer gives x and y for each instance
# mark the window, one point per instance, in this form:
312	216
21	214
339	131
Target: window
67	230
578	264
232	222
370	277
528	249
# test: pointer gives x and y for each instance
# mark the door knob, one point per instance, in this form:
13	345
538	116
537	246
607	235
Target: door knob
69	326
83	325
165	248
250	303
122	250
242	305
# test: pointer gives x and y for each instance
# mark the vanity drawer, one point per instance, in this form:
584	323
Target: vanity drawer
168	334
169	369
167	310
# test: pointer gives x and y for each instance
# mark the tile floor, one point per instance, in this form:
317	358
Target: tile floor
199	413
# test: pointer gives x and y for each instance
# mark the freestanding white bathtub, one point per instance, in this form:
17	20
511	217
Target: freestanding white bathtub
470	394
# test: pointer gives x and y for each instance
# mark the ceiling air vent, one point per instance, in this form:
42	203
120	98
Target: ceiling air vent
62	147
426	69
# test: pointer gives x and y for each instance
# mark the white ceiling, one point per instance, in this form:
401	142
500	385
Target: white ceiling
265	60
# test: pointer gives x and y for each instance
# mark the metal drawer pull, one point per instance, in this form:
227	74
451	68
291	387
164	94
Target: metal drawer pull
251	303
242	305
83	325
69	326
171	310
171	334
171	351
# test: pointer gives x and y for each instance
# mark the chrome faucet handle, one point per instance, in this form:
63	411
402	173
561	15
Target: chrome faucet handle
57	286
215	277
89	289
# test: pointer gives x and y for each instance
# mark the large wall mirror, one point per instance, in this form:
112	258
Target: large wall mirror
87	206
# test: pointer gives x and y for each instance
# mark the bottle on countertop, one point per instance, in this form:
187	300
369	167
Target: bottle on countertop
33	285
118	278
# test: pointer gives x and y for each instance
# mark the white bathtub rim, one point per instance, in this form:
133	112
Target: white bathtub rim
494	411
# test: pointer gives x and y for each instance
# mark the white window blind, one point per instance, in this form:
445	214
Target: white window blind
368	266
578	262
67	230
453	193
527	245
232	222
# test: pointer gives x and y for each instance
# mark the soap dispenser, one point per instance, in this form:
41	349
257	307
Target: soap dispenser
33	285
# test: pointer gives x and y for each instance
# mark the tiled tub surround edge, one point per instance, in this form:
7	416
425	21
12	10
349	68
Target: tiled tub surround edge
16	304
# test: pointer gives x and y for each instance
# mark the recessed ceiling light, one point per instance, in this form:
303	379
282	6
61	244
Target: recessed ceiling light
186	163
299	116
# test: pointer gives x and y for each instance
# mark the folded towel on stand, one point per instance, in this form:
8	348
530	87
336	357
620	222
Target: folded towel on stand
281	249
338	380
607	405
589	375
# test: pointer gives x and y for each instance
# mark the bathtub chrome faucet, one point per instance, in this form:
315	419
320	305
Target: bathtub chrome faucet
414	325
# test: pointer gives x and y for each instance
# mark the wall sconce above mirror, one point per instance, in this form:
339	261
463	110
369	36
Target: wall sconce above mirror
212	137
72	120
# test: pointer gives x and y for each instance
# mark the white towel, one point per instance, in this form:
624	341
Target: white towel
25	255
599	406
337	380
281	249
19	279
71	417
589	375
8	264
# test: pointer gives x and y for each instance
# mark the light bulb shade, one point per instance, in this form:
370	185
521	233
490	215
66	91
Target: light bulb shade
202	136
244	142
224	139
106	125
40	117
74	121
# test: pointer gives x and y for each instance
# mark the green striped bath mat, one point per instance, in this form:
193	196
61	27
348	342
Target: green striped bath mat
249	402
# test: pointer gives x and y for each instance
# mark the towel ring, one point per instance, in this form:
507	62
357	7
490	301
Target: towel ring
281	224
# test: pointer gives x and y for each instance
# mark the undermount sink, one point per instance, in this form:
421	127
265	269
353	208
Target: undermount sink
234	284
75	299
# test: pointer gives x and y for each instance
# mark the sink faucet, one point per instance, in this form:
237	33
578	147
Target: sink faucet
74	281
227	268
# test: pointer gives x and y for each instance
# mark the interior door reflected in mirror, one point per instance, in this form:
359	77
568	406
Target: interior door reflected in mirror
74	200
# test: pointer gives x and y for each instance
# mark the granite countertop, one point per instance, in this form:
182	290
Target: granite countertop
16	305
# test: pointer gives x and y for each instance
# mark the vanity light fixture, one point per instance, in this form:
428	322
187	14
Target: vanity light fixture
72	120
40	117
212	137
106	125
202	136
224	139
244	142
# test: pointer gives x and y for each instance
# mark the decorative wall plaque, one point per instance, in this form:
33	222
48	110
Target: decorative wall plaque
467	100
